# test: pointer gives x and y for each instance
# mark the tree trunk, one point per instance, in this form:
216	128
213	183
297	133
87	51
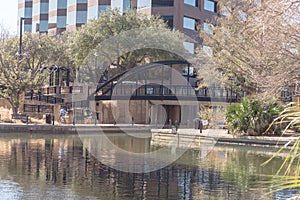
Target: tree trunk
15	102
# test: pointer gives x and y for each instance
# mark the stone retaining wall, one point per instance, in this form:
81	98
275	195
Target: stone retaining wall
161	136
71	129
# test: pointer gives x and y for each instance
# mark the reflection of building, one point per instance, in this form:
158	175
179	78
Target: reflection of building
45	166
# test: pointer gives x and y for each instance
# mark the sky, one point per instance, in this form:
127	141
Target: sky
9	15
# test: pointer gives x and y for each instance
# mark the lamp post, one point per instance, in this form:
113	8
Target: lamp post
21	34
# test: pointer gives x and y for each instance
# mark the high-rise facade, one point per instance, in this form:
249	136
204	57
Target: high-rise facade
124	5
55	16
183	15
25	10
76	14
96	7
40	14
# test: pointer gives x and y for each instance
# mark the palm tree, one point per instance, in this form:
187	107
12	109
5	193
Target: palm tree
288	175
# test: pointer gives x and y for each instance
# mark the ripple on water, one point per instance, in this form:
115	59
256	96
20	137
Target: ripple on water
10	190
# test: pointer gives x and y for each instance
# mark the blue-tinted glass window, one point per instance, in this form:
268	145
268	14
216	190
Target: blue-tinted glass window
168	20
43	26
189	23
210	6
27	27
62	4
126	5
207	50
207	28
191	2
61	21
143	4
190	47
44	8
81	17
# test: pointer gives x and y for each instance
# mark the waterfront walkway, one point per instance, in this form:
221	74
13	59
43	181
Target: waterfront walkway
219	135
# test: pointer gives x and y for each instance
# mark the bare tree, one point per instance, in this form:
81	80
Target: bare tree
256	43
3	32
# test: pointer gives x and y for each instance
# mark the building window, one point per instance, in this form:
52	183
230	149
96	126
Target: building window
189	46
207	28
191	2
81	17
189	23
210	6
162	3
168	20
207	50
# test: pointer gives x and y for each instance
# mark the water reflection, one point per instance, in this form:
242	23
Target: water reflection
10	190
58	166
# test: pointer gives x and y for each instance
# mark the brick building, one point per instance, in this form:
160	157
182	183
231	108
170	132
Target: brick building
56	16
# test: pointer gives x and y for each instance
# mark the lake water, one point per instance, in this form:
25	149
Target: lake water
35	166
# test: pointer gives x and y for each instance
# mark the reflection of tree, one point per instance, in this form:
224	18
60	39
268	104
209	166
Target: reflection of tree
42	162
238	171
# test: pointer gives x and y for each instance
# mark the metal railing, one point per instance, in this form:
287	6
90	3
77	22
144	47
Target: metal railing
38	108
167	92
61	90
44	98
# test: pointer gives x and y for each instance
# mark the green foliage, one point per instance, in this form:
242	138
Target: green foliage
243	175
206	114
253	116
112	23
288	174
20	73
289	117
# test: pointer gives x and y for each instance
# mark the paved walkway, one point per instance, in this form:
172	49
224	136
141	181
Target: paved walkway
218	134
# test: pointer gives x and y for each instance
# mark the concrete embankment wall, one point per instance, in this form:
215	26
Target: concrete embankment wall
186	138
36	128
195	139
70	129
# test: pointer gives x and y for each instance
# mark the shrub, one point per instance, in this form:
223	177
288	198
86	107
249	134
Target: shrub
253	116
